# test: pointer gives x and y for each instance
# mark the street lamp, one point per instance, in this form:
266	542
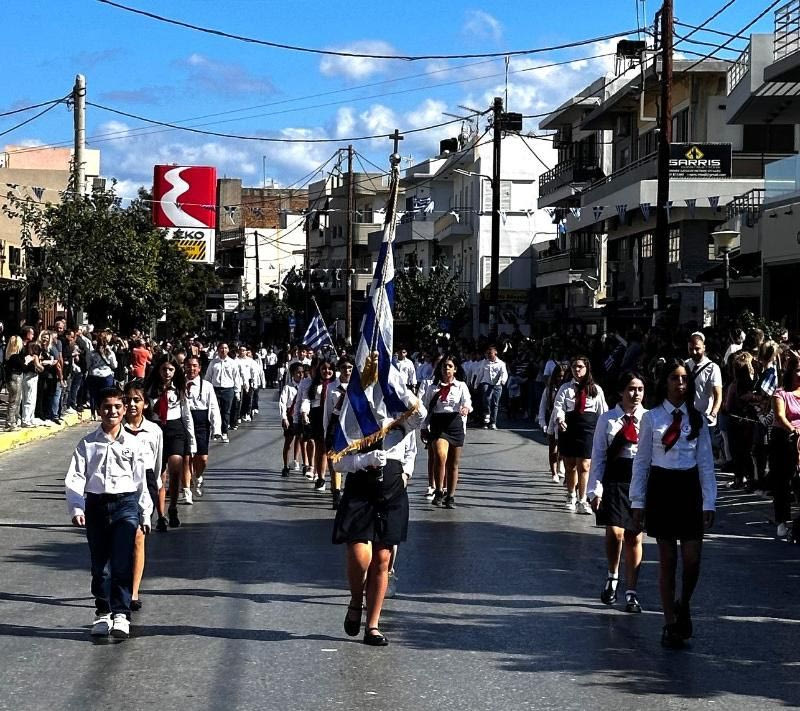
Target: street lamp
472	174
724	240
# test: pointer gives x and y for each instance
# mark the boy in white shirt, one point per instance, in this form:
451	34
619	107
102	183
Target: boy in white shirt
106	491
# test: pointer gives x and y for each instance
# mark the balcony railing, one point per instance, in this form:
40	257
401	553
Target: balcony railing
640	164
572	261
748	205
740	67
569	171
787	29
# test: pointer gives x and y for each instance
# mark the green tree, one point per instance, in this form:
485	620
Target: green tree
426	301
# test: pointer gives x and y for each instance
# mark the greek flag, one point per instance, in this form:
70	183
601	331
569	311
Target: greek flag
377	395
317	334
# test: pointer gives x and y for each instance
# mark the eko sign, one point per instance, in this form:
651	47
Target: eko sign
184	203
700	160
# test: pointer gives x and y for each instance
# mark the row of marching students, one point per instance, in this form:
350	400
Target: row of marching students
639	471
153	441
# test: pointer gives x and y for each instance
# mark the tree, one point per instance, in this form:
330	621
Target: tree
430	304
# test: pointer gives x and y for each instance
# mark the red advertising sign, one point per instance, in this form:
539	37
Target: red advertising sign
185	196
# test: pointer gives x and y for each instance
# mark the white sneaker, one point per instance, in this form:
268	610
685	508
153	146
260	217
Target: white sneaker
187	497
36	421
247	418
562	472
429	493
572	505
255	412
102	625
584	507
556	479
295	466
70	411
782	530
493	426
122	627
225	439
198	487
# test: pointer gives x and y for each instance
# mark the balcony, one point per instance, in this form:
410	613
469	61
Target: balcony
747	206
563	267
782	181
571	174
644	168
448	226
786	51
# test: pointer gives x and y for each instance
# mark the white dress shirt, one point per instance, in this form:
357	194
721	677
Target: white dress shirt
457	398
287	399
406	367
177	409
151	437
490	372
608	425
565	401
704	383
302	394
312	397
685	454
224	373
336	391
201	396
101	465
399	445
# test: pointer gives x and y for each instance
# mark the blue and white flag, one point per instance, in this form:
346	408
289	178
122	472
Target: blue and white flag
317	334
377	396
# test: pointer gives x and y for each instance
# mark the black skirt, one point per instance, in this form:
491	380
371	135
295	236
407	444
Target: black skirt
674	508
175	440
373	508
448	426
317	427
202	431
615	505
577	440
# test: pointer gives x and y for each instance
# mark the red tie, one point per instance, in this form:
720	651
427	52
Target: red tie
444	391
673	431
626	435
580	399
162	407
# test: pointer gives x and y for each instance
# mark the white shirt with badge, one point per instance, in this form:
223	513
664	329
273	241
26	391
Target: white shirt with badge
200	395
566	399
608	425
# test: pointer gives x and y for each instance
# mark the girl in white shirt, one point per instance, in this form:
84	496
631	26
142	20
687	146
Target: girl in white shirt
577	406
546	421
448	403
312	408
616	440
673	489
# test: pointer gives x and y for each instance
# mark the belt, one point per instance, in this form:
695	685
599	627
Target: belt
110	497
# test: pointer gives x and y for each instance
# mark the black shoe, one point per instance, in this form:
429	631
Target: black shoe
174	521
670	638
683	622
449	502
161	524
437	498
352	624
319	485
374	640
136	605
285	472
337	498
609	594
632	603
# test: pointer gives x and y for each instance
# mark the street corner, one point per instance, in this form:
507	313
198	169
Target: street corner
18	438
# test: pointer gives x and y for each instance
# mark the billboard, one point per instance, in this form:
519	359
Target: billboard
700	160
185	204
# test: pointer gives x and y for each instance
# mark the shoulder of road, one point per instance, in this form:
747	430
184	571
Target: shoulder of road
17	438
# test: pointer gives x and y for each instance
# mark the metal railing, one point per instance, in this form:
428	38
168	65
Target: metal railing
573	260
787	29
740	68
640	162
568	171
749	204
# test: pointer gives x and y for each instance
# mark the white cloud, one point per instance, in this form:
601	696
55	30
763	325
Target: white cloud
483	25
345	122
357	67
378	119
226	78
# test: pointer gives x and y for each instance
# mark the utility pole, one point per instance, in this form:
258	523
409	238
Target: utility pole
661	246
494	294
79	119
258	290
348	314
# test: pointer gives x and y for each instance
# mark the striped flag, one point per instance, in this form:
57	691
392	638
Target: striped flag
317	334
377	396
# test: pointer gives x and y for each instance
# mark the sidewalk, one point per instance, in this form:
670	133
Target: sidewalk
25	435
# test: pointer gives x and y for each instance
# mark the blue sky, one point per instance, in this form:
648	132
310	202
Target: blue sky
172	74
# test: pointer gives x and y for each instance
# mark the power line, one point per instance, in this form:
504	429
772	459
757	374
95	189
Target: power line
32	118
710	19
709	30
32	106
535	154
361	55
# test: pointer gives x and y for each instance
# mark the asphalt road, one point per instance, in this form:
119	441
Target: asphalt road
498	604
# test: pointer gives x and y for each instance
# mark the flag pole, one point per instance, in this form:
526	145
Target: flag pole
319	313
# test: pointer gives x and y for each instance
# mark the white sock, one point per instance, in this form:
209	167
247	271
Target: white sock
629	592
614	579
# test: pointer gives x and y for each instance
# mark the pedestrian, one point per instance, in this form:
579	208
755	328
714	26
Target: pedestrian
166	393
705	378
101	366
546	421
312	408
407	369
287	403
673	492
48	379
107	495
333	406
224	376
207	422
577	406
245	366
302	420
149	435
140	359
784	444
742	419
616	440
372	518
30	383
14	373
492	376
448	405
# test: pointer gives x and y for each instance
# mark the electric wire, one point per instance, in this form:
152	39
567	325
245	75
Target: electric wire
32	106
30	119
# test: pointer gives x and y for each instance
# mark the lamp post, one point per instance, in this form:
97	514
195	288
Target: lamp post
724	241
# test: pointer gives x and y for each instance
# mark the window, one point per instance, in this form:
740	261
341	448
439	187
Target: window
712	251
770	138
505	195
647	245
674	245
647	143
680	126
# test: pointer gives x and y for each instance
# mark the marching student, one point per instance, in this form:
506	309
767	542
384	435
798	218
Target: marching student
246	373
301	420
149	434
223	374
673	491
616	439
106	492
287	404
166	391
207	422
576	408
448	405
333	405
545	418
491	376
312	408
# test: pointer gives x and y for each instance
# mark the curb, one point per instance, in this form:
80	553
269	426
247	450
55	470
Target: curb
18	438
